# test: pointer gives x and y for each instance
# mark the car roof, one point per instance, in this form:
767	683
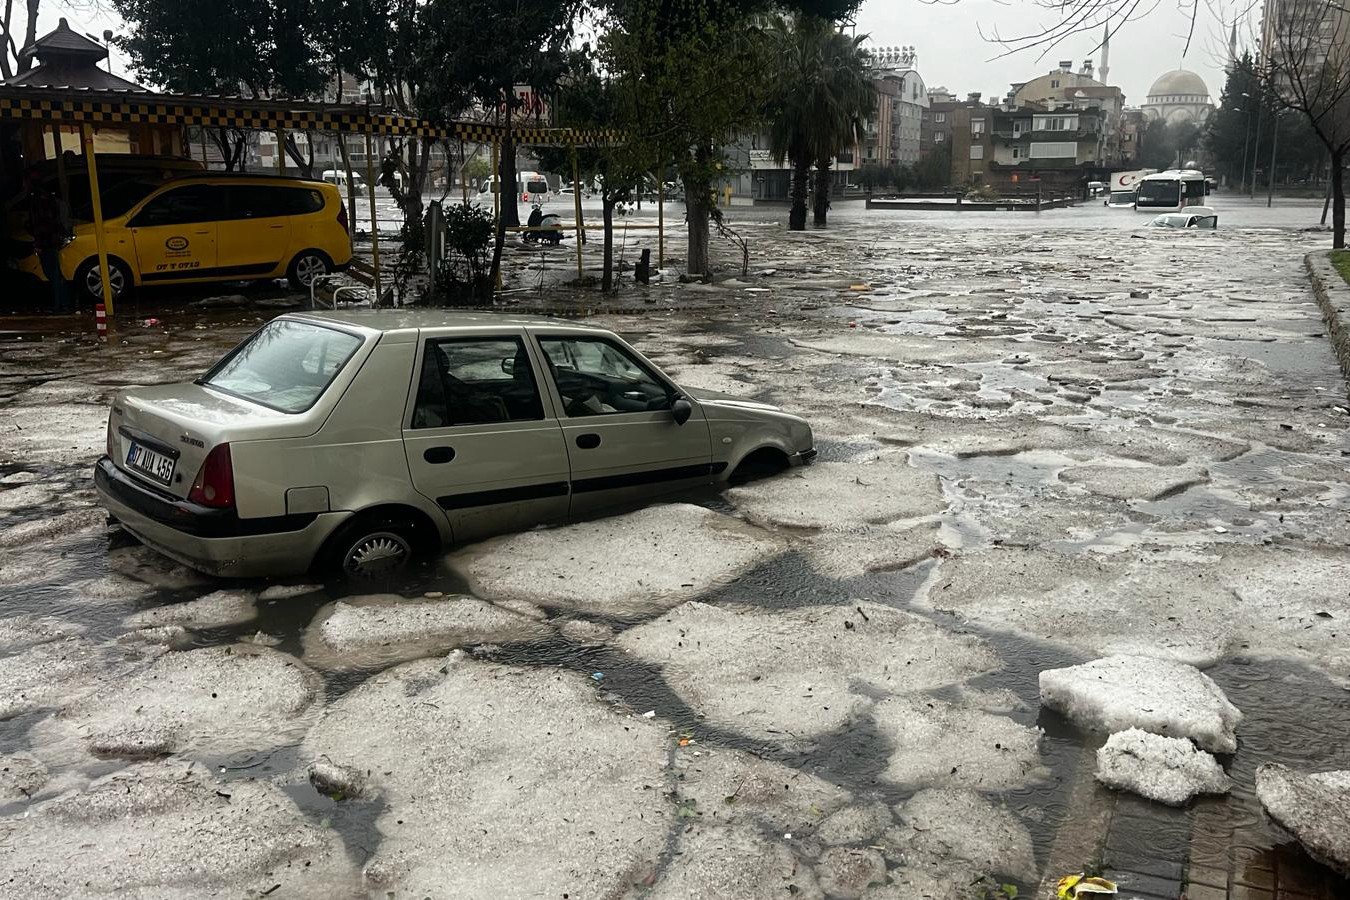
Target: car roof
387	320
243	176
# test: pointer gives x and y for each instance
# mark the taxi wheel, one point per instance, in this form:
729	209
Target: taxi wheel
371	548
90	285
308	265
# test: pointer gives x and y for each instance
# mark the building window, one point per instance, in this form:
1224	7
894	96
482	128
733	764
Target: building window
939	137
976	151
1017	152
1054	149
1055	123
1054	83
939	117
976	126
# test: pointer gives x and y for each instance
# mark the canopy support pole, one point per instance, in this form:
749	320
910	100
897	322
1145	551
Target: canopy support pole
100	239
576	205
374	218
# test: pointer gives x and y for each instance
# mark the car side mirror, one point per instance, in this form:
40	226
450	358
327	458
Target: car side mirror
509	366
680	410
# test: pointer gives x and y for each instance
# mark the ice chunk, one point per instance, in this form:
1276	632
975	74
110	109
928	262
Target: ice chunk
645	561
848	871
1161	696
1169	770
21	776
499	781
800	673
1134	482
380	629
20	632
943	825
213	700
729	787
164	829
855	824
828	494
934	743
1315	808
219	609
51	673
735	863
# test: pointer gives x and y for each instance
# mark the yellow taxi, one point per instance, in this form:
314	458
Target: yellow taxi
210	227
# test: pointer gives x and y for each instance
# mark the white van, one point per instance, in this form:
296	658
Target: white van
531	187
339	178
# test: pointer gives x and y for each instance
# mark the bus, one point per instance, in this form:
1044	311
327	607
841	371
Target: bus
1171	190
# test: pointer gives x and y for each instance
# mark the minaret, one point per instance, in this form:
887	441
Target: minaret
1105	68
1232	46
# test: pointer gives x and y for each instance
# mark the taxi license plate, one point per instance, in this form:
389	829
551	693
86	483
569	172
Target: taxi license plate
148	462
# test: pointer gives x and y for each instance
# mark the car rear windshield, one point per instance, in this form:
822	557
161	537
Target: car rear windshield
537	187
286	365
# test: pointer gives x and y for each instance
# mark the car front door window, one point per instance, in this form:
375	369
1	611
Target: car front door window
596	377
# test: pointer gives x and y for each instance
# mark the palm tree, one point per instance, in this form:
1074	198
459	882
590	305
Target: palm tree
819	98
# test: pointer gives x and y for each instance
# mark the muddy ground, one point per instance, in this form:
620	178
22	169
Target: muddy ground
1042	440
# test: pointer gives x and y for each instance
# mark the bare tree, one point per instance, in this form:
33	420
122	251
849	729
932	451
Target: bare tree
1305	67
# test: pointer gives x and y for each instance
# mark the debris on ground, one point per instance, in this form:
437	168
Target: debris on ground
1073	887
1315	808
1161	696
1169	770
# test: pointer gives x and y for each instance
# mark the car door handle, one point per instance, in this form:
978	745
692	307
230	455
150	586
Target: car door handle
588	441
276	226
437	455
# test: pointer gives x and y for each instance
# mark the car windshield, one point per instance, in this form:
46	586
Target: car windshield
286	365
1172	221
1160	192
1122	196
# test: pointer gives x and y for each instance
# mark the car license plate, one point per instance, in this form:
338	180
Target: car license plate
148	462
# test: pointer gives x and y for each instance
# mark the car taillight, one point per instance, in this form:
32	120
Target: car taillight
342	218
215	481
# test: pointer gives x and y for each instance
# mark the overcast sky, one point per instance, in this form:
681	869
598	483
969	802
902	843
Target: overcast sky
950	48
952	53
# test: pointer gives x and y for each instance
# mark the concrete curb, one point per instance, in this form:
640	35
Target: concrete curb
1333	295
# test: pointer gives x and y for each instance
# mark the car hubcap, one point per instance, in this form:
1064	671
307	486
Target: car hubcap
376	554
115	280
307	268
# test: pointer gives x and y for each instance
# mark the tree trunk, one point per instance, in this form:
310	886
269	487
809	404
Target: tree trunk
30	33
304	163
1337	200
801	175
506	173
351	185
607	273
698	198
697	207
822	192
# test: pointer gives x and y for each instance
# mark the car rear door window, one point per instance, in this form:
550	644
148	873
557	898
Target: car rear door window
597	377
472	381
263	201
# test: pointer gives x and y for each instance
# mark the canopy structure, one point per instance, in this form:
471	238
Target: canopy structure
47	104
89	105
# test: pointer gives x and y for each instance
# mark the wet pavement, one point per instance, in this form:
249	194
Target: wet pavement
1043	438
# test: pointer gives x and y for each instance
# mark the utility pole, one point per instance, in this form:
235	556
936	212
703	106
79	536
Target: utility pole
1256	151
1270	176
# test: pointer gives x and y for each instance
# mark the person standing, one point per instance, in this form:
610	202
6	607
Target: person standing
50	227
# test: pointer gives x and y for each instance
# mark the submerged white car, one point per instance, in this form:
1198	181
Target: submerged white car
352	441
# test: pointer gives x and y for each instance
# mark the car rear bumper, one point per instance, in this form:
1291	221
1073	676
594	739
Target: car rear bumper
214	541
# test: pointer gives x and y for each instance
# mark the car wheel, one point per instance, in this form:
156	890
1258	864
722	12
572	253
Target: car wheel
308	265
371	548
90	284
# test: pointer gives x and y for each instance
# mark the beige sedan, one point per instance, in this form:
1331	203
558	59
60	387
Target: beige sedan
351	442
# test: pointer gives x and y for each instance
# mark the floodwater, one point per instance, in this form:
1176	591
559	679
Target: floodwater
1100	407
